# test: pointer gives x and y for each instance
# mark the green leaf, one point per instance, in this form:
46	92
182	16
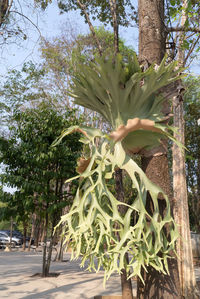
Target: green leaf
97	230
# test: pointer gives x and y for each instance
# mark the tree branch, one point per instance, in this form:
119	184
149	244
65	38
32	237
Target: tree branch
83	8
191	49
19	13
113	9
183	29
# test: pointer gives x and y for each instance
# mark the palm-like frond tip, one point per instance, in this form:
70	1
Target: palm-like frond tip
120	91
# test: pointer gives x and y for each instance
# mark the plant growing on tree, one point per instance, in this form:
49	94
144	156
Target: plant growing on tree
129	100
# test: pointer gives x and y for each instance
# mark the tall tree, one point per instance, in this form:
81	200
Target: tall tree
192	108
33	166
184	248
62	55
152	37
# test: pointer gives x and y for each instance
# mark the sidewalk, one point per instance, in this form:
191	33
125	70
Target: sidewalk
16	269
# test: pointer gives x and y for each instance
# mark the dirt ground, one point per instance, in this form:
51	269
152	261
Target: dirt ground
17	280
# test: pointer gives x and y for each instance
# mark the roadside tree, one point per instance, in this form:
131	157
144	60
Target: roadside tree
39	170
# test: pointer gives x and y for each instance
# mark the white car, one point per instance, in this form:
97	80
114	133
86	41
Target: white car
5	239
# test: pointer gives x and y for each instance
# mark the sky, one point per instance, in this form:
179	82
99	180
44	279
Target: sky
50	23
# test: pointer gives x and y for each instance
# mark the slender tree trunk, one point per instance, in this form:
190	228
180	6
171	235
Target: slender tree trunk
11	232
197	220
84	10
184	244
114	13
155	163
42	232
34	216
126	284
44	259
50	249
38	227
24	235
59	256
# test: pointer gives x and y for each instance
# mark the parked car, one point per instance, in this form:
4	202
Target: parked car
15	233
5	238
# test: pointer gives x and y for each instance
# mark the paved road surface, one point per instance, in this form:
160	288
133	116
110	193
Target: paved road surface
16	269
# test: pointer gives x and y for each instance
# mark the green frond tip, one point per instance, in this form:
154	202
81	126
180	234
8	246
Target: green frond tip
96	230
89	133
117	88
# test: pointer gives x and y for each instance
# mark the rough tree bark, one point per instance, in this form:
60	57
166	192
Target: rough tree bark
184	245
4	4
44	257
34	217
114	10
155	163
24	235
198	193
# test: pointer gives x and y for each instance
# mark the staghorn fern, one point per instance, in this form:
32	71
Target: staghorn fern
130	101
122	94
97	232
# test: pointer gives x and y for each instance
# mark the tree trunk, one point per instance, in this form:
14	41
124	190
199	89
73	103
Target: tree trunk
4	4
184	245
197	220
155	163
44	258
34	217
39	225
11	232
50	249
114	13
24	235
59	257
151	31
126	284
87	18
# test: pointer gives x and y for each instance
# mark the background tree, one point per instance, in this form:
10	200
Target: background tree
33	166
155	163
62	55
192	108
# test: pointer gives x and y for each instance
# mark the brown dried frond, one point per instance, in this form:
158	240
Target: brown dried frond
133	125
82	164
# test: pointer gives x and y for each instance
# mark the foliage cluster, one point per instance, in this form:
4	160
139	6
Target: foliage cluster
36	169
